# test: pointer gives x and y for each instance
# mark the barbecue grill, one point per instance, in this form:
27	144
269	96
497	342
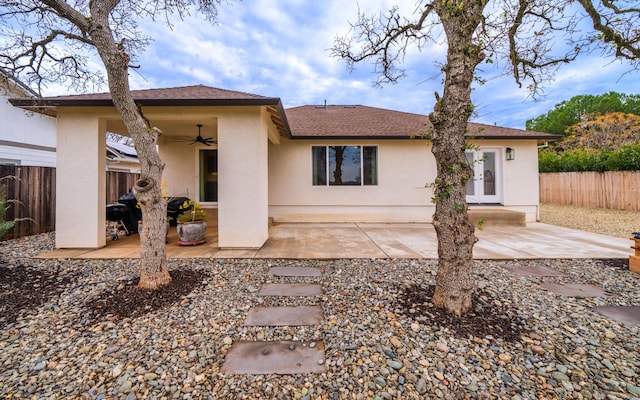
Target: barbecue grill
116	214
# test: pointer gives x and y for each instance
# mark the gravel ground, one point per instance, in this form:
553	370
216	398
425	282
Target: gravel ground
598	220
377	346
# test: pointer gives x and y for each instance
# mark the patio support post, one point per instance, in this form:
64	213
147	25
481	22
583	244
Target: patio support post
80	180
242	178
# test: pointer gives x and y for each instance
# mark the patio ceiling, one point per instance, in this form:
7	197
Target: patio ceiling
174	127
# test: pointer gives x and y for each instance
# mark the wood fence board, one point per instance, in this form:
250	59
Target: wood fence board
34	189
618	190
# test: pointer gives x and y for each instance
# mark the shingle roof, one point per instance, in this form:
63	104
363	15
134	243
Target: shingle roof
336	122
184	95
305	122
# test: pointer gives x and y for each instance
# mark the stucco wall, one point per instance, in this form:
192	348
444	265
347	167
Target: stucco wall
181	164
242	178
520	176
405	167
80	181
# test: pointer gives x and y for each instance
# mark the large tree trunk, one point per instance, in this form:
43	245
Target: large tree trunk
454	283
153	261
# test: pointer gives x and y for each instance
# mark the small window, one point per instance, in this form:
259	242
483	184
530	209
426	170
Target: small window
345	165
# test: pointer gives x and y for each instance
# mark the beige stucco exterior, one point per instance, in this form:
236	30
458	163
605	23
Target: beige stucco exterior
260	175
80	180
405	169
242	134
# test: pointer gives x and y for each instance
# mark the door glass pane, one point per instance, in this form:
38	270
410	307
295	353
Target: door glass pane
470	183
209	176
489	174
344	165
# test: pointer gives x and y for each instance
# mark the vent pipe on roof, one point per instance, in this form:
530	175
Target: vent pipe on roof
325	104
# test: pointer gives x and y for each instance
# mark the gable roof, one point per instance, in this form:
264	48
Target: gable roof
183	96
195	95
304	122
363	122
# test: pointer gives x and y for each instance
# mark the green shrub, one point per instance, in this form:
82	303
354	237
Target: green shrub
4	225
578	160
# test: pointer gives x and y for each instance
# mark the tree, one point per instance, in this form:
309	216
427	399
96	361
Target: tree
569	112
608	131
521	35
43	41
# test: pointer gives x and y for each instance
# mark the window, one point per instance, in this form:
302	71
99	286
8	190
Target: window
208	175
345	165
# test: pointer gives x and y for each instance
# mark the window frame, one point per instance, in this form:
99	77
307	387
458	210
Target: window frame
327	165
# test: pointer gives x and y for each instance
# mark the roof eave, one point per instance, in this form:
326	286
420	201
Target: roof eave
540	138
49	106
20	102
353	137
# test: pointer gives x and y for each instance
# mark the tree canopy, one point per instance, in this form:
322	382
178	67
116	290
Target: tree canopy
569	112
530	39
608	131
44	41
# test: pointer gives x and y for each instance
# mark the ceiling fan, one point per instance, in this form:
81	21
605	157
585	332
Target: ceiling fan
200	139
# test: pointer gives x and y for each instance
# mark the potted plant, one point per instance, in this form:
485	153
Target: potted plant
192	224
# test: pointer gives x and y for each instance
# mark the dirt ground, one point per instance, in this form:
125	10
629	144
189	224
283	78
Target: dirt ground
607	222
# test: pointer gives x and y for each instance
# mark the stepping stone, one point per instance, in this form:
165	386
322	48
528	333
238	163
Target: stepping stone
622	314
574	289
246	357
284	316
534	270
295	271
290	289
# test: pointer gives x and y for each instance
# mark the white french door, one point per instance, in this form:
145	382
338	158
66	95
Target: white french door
486	184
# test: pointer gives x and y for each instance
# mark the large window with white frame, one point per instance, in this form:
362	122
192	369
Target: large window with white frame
344	165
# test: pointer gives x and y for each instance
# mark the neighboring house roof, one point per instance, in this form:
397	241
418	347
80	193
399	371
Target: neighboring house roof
120	150
197	95
15	86
362	122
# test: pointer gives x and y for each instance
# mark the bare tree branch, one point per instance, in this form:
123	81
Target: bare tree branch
385	39
626	46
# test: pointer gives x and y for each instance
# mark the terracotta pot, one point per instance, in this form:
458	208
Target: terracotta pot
191	233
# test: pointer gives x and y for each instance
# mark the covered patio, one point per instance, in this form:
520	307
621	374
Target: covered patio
371	240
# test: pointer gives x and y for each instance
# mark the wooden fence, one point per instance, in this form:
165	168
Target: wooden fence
618	190
34	192
119	183
31	194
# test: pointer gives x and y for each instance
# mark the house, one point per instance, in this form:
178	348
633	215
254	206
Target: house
26	138
255	161
122	158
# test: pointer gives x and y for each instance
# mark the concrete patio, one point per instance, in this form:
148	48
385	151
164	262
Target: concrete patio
366	240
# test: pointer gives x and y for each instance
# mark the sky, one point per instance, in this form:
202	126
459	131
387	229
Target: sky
280	48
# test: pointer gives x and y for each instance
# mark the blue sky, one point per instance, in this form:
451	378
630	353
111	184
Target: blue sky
280	48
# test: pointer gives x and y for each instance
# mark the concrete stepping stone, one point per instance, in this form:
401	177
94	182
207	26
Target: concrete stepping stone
295	271
574	289
284	316
282	357
290	289
533	270
622	314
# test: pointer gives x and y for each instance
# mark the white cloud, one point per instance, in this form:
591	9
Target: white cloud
281	48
